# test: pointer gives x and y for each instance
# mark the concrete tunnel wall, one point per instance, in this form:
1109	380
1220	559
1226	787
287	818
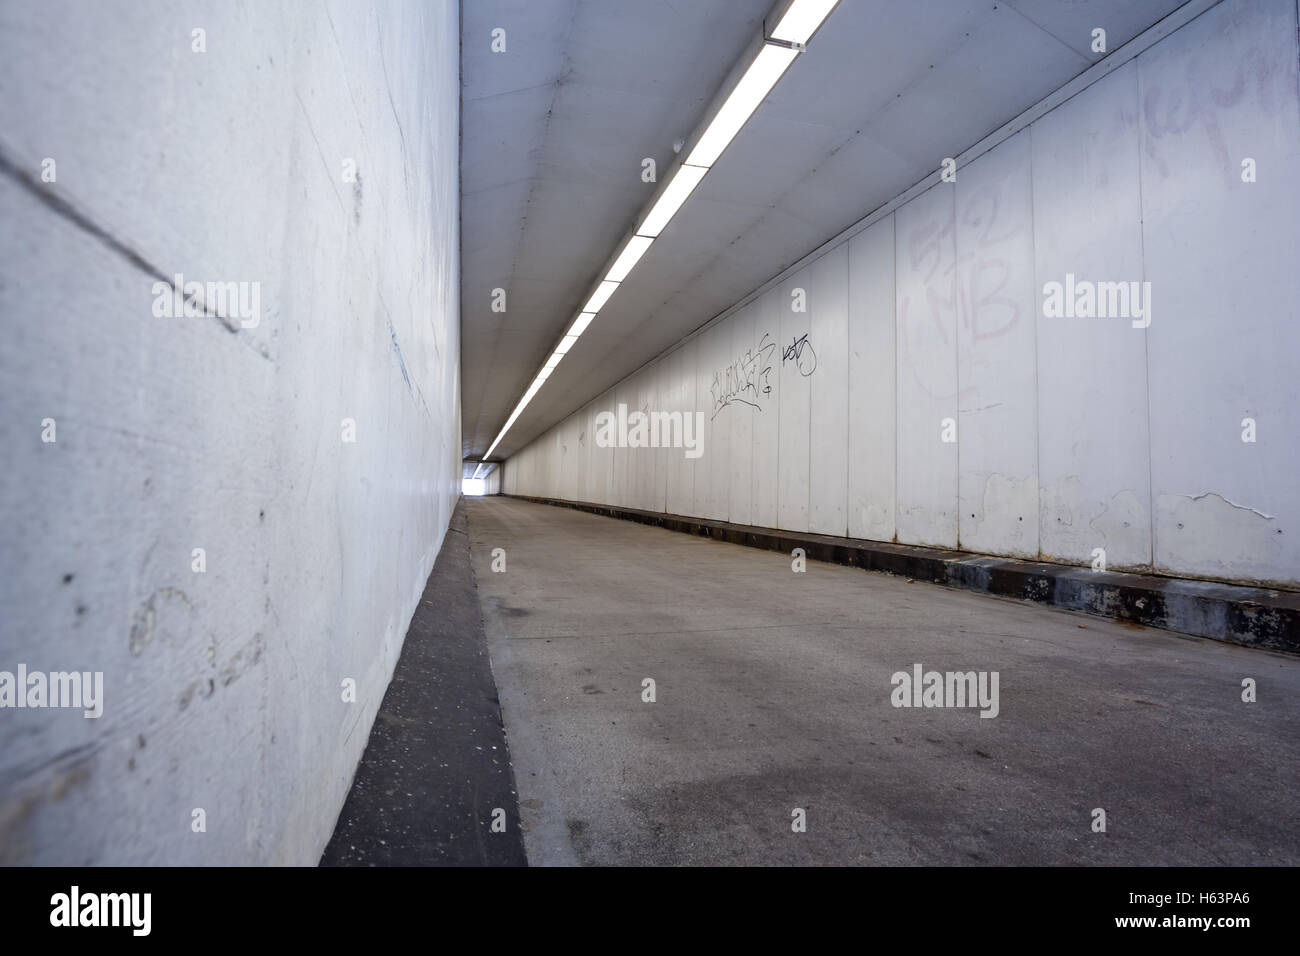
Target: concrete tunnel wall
1072	433
222	690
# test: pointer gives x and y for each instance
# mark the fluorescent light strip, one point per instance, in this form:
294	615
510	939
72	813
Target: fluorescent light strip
802	19
523	402
600	297
629	257
677	191
749	93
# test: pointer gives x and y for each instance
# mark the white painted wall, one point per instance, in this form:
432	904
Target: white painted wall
1072	433
222	690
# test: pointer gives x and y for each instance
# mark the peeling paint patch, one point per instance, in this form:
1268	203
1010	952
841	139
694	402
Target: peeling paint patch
1060	503
244	658
1207	534
18	810
1117	521
144	623
1005	519
1073	524
204	687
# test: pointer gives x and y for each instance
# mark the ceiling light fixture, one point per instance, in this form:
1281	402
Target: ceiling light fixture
678	190
580	323
801	19
748	94
600	297
796	22
628	258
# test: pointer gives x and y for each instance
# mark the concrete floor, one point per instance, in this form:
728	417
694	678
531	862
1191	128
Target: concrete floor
773	693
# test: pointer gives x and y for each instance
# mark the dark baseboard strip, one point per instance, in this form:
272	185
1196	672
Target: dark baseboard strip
1255	617
436	764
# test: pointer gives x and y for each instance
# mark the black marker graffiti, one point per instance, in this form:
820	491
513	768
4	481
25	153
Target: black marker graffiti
801	353
746	380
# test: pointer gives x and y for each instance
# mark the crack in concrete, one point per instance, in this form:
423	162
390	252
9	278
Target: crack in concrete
69	212
1214	494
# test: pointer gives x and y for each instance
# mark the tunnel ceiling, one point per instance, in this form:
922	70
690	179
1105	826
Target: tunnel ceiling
554	131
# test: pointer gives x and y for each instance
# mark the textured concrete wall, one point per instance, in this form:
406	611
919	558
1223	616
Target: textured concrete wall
223	687
1071	434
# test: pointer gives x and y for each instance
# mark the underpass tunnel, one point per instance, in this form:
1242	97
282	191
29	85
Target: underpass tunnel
615	433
